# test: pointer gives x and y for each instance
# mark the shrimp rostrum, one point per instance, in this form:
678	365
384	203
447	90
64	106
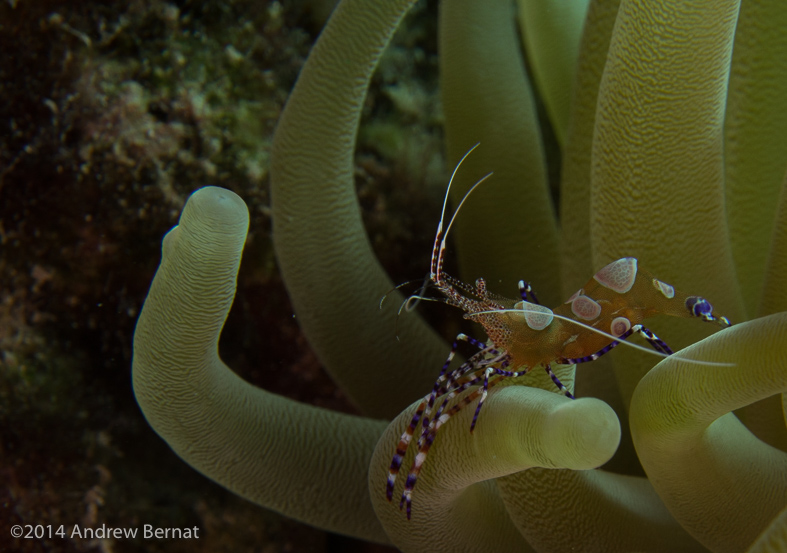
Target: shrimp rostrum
524	335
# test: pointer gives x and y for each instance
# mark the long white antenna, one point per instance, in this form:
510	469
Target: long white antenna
448	229
447	190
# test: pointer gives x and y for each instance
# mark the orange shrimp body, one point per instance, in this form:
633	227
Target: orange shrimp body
619	297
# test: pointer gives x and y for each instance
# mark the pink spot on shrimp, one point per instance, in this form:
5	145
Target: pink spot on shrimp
618	275
585	308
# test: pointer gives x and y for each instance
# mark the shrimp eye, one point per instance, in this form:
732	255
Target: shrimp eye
699	307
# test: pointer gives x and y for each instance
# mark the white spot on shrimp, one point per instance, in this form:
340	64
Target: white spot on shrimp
537	316
585	308
419	460
664	288
619	325
571	339
618	275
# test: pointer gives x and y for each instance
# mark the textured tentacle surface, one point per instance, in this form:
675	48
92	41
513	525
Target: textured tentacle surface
488	98
334	280
576	252
305	462
521	427
551	33
610	512
764	418
755	135
657	175
721	483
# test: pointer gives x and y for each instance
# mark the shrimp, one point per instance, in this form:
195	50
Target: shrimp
523	334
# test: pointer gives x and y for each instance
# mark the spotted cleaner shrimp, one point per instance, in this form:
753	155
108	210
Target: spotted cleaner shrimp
523	334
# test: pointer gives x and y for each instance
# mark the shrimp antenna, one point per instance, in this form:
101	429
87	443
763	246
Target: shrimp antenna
417	296
398	286
435	267
451	222
613	337
410	303
447	190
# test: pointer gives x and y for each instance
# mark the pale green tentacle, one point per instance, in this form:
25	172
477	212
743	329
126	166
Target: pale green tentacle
721	483
334	280
507	229
657	170
755	135
519	427
755	154
774	290
609	512
765	418
576	251
551	34
576	263
305	462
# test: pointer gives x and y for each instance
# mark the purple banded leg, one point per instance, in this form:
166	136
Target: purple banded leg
524	290
425	407
652	339
401	450
504	360
484	393
412	477
454	386
423	450
557	382
439	388
503	374
656	342
439	418
406	438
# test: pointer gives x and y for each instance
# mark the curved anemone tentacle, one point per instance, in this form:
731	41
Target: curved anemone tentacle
657	189
755	137
551	33
766	418
576	261
610	512
654	173
774	291
576	251
689	441
333	278
487	98
520	427
755	134
246	439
